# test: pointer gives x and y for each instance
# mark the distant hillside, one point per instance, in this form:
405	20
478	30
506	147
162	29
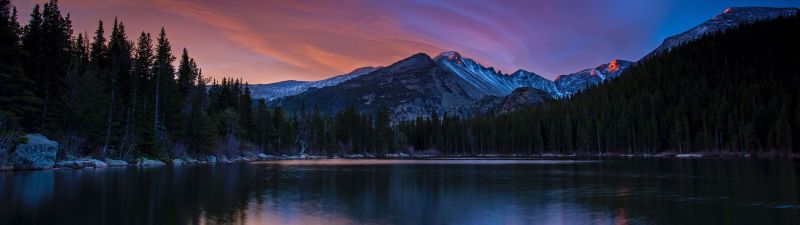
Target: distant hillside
292	87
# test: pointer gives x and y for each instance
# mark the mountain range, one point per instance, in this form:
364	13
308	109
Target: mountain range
452	84
280	89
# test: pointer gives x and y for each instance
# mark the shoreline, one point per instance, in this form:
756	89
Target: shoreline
92	163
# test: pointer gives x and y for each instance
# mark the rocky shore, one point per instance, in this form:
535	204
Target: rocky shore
39	153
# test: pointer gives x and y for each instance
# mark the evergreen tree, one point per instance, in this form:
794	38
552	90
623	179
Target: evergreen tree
17	100
187	73
122	85
164	74
47	41
142	74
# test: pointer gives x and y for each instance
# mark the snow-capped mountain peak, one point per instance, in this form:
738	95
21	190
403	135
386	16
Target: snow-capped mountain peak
484	80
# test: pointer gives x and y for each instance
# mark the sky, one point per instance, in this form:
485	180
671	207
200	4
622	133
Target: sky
268	41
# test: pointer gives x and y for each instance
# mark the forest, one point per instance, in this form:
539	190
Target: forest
109	96
729	92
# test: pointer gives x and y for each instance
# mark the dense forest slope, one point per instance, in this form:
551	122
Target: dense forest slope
731	91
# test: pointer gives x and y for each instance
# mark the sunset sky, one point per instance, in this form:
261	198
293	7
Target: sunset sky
268	41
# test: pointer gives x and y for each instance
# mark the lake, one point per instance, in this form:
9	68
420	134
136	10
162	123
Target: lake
624	191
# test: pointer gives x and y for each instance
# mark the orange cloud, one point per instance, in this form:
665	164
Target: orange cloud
317	44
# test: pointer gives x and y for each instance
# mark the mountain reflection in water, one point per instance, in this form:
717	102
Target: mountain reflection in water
636	191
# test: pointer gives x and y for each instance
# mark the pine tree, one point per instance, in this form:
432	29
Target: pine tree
142	73
16	90
99	50
122	85
47	41
186	73
164	73
245	109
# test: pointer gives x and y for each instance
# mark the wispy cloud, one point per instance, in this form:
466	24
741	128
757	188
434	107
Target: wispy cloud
267	41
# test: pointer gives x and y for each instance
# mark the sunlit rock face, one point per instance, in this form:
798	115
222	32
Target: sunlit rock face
729	18
571	83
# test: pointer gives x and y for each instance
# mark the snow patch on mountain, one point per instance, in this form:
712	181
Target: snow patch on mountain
281	89
488	81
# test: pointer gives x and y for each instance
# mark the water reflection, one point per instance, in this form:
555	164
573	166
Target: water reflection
411	192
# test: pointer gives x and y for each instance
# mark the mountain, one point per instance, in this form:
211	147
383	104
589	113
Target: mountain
490	82
276	90
447	84
487	81
409	88
729	18
571	83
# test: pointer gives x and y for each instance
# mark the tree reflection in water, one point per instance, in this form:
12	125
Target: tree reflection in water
411	192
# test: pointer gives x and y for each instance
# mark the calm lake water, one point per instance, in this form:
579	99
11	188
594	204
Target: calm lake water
637	191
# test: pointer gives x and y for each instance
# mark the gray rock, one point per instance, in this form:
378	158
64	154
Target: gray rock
177	162
115	163
211	159
191	161
80	164
149	162
98	164
262	156
37	152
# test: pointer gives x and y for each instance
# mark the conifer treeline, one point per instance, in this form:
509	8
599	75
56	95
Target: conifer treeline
732	91
108	96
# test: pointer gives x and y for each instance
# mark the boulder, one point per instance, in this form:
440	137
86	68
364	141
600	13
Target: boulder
177	162
149	162
262	156
115	163
80	164
354	156
37	152
690	155
211	159
98	164
191	161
